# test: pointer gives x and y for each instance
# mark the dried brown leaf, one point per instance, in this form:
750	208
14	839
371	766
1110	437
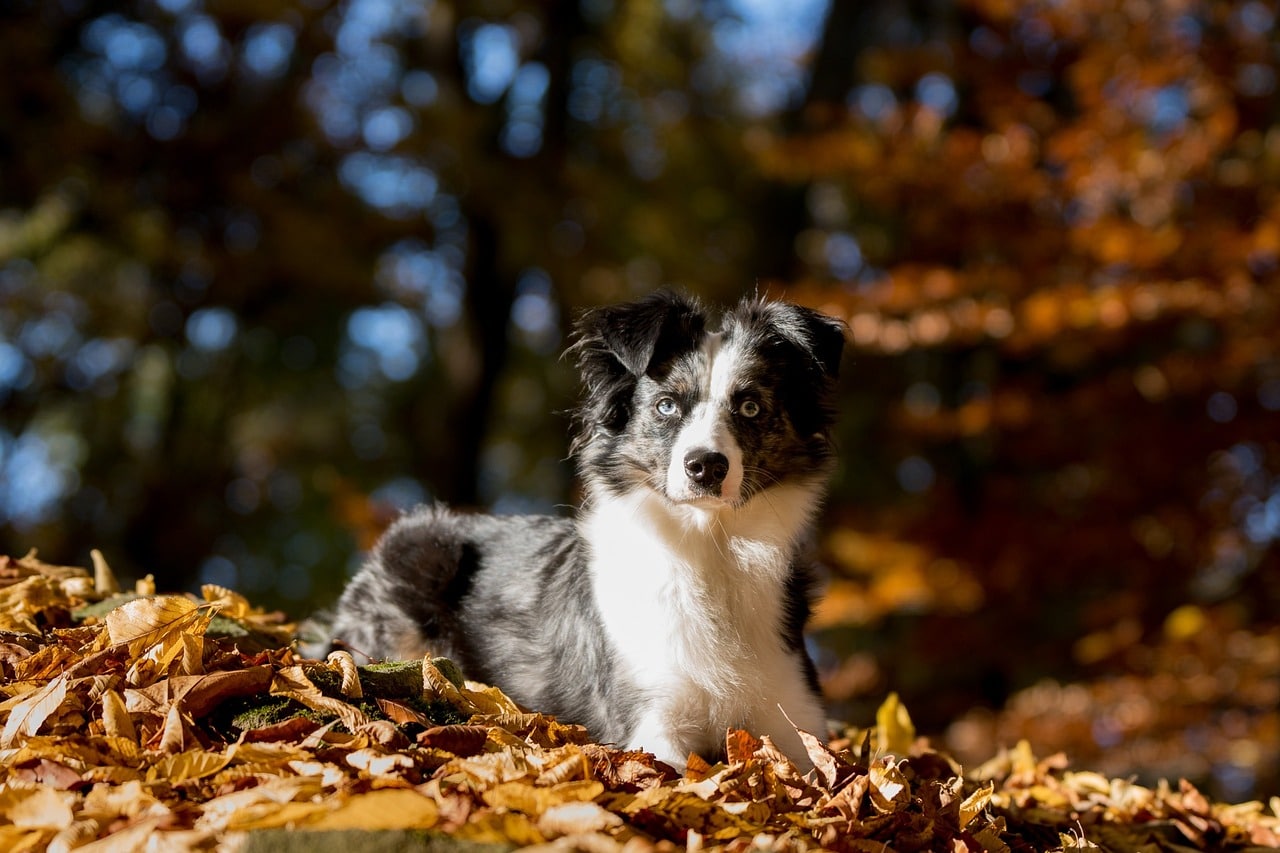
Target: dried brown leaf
574	818
20	603
192	654
460	740
115	717
173	737
186	766
198	695
740	746
294	728
39	808
390	808
400	713
144	622
229	602
104	580
26	718
894	730
975	804
346	666
889	789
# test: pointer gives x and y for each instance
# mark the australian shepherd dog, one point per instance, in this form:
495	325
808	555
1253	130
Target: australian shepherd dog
671	608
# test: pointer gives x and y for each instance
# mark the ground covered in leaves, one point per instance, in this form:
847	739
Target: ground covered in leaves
163	722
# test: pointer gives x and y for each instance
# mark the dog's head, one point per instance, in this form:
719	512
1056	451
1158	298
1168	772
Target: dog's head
705	417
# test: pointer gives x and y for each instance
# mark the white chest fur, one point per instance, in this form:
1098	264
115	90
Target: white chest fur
692	601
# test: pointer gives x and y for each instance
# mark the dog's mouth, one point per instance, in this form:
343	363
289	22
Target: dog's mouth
705	501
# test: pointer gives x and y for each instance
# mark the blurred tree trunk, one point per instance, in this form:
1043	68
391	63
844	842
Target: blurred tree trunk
849	30
529	190
454	466
782	214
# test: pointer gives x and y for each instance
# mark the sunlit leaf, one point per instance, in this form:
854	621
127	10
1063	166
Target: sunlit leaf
39	808
185	766
115	716
576	818
894	730
386	809
26	718
146	621
346	666
975	804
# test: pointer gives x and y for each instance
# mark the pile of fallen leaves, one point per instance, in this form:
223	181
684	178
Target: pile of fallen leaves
161	722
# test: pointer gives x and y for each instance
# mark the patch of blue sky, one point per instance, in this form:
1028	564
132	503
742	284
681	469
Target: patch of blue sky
212	329
395	185
16	371
268	49
490	60
393	335
767	43
411	269
36	473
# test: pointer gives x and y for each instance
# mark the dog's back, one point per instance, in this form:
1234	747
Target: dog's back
505	597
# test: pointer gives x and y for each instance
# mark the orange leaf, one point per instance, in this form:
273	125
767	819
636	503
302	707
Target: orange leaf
460	740
740	745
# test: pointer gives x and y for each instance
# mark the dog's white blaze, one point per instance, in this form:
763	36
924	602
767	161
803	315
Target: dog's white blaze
707	427
693	612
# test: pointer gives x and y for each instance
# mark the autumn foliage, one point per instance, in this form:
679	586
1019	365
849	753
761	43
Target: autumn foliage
171	723
1066	325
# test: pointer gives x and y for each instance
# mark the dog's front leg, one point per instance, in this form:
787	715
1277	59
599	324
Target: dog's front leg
780	722
654	733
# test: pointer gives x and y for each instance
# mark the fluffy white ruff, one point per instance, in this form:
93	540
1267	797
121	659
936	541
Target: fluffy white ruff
692	599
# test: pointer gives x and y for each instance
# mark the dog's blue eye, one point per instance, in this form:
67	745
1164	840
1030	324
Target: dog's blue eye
749	408
667	407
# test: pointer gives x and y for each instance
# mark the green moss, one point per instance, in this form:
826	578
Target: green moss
260	711
390	680
449	670
99	609
247	713
394	679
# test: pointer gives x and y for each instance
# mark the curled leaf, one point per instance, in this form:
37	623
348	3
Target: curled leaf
104	580
346	666
436	685
115	717
894	730
975	804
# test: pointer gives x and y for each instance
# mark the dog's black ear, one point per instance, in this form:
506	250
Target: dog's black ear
826	337
642	335
618	344
819	336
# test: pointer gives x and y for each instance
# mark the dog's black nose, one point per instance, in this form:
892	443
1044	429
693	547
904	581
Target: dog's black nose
707	468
